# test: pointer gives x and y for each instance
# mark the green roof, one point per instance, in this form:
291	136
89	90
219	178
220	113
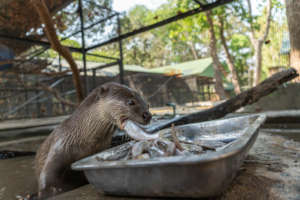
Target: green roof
200	67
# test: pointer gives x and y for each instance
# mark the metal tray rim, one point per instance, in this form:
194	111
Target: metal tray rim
228	151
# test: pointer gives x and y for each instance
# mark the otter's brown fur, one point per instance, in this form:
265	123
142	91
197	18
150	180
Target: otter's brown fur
88	130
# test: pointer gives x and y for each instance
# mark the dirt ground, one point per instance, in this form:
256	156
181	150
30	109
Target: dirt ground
271	172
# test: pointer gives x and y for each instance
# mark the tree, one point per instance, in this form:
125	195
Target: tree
65	23
147	49
293	16
216	63
196	30
258	41
229	58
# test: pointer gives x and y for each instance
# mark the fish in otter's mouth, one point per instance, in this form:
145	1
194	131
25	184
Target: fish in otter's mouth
136	132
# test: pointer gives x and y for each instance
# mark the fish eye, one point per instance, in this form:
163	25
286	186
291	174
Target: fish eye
131	102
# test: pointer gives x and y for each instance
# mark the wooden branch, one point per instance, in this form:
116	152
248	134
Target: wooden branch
245	98
45	17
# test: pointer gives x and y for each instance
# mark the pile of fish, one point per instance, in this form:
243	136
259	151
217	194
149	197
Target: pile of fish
147	146
163	147
160	147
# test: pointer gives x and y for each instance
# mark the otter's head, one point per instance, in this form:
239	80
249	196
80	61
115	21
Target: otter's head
123	103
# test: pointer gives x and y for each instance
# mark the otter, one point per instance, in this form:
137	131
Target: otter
87	131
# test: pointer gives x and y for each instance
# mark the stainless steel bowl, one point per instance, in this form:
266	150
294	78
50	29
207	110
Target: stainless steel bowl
201	175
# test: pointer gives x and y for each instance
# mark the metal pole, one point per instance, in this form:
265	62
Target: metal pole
121	67
101	56
61	88
94	78
38	105
105	66
37	42
59	63
26	107
90	26
83	46
26	98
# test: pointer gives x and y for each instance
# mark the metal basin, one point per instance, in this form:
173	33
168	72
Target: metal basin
194	176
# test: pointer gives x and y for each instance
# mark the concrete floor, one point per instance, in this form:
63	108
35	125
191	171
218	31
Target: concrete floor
271	171
17	177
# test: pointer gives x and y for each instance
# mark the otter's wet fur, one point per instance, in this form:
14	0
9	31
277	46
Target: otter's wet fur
88	130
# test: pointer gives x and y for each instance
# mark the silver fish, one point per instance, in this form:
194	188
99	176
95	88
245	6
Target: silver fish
165	145
195	149
156	152
139	148
137	133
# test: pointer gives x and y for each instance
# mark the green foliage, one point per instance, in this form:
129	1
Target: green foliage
186	39
68	21
239	41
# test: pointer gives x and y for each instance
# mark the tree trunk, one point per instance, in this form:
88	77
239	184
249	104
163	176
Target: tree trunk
258	42
229	60
258	62
293	16
192	47
216	63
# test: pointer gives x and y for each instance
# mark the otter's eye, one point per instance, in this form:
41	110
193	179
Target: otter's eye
131	102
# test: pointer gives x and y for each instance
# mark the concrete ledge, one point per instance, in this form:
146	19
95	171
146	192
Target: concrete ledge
29	123
24	144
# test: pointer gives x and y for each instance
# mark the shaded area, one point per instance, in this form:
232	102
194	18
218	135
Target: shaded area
13	154
271	171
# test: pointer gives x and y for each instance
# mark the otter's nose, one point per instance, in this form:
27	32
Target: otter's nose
147	116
